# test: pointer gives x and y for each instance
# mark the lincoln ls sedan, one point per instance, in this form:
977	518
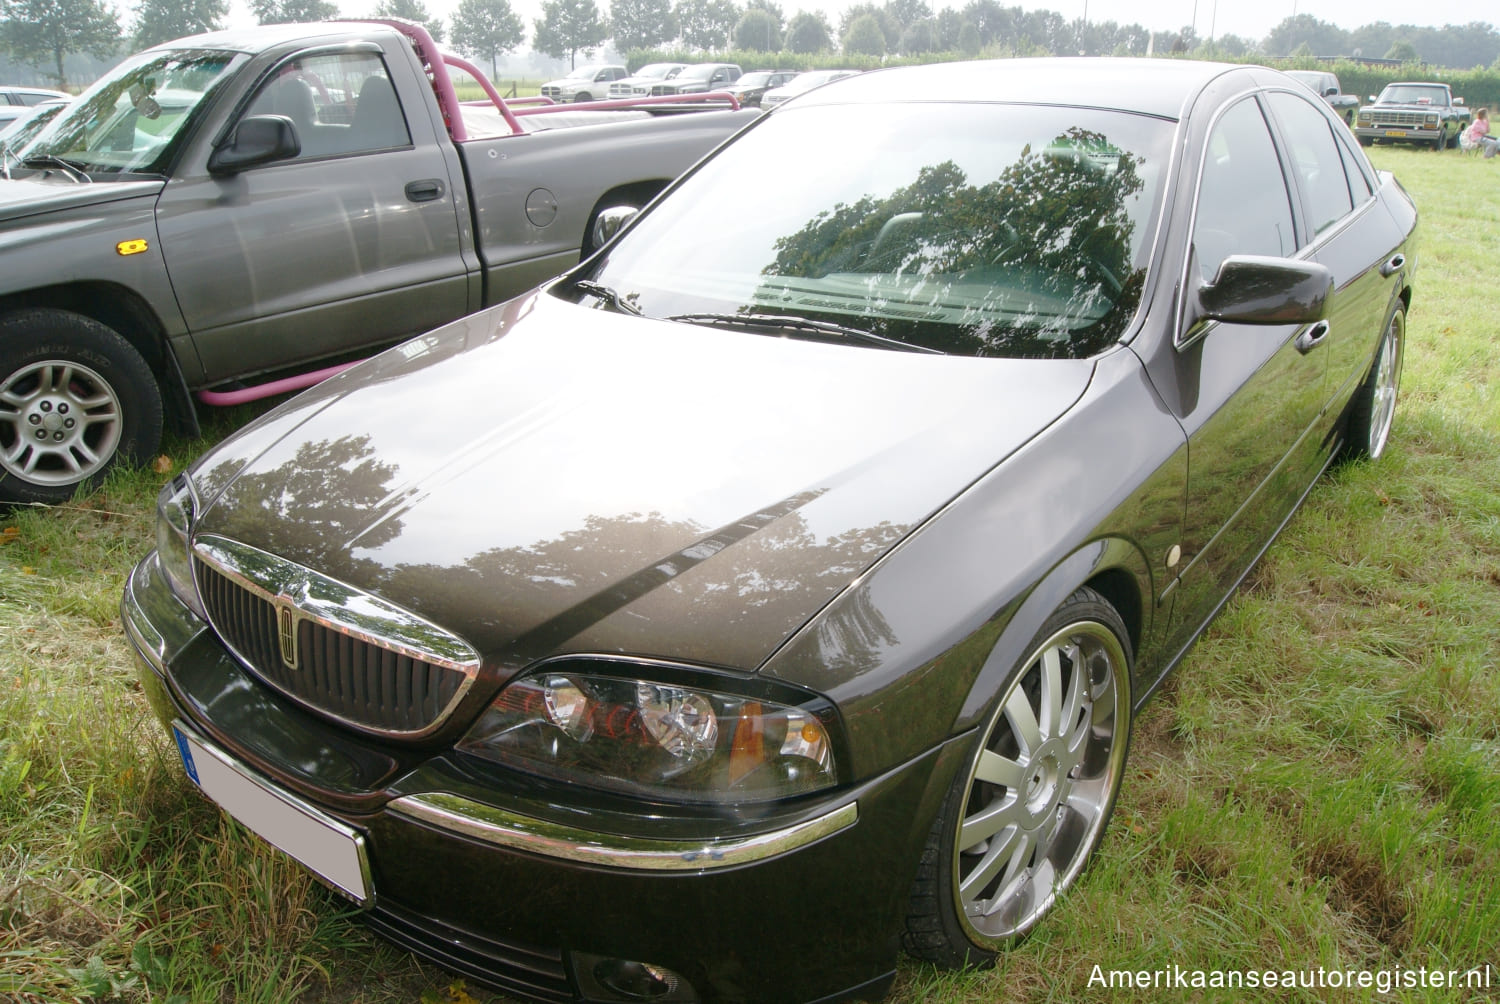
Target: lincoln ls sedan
775	590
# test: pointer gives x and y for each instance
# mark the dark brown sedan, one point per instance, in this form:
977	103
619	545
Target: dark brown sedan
778	587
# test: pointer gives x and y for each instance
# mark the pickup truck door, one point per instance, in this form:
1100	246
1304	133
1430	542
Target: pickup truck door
354	243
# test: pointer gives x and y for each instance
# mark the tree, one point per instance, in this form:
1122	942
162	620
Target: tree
487	29
292	11
757	32
163	20
412	10
568	27
864	37
35	31
809	33
641	24
908	12
969	41
919	37
706	24
1403	50
890	29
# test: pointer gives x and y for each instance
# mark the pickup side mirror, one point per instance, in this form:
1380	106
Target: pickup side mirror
1252	289
258	139
1459	102
1331	92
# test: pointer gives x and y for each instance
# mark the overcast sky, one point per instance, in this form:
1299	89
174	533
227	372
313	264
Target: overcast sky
1245	18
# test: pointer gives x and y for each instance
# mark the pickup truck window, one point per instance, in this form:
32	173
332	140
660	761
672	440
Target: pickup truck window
128	121
982	230
339	103
1413	94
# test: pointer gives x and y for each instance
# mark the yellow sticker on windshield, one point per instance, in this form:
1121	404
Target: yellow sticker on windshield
131	247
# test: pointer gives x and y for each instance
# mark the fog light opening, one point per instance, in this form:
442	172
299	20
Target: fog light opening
638	981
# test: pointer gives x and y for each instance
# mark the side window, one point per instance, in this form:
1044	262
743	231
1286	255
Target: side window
1316	159
1359	181
1243	207
340	103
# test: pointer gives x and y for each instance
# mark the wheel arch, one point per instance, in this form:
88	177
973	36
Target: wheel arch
125	312
1113	567
635	193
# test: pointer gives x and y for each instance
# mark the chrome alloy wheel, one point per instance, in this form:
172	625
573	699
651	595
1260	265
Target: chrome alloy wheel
1043	784
1385	382
60	422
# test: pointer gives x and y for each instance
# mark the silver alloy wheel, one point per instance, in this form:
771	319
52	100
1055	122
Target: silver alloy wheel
1386	381
1041	789
60	422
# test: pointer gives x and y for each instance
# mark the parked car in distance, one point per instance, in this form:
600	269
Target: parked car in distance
801	84
698	78
641	80
1411	112
14	101
1326	85
724	614
585	83
750	88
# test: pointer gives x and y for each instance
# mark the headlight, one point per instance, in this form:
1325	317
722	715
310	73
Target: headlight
1432	121
176	507
659	737
1364	118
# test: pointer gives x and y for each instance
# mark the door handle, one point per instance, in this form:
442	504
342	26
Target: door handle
1312	337
425	190
1393	266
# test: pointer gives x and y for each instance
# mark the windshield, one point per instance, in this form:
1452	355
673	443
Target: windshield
753	80
583	73
127	121
656	71
1413	94
983	230
701	72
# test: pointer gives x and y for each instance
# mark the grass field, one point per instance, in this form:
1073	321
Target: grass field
1319	785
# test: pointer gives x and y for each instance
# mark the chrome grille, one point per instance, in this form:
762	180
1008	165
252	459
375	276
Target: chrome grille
1399	118
286	631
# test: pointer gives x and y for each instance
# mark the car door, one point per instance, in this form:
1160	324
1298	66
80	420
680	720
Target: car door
1252	394
351	244
1351	236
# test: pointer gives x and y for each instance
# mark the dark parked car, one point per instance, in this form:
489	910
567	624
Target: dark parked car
749	89
716	618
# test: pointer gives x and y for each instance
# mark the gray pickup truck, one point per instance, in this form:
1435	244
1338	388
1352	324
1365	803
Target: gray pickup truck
246	206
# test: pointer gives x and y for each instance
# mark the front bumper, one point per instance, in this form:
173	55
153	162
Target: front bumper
537	890
1398	133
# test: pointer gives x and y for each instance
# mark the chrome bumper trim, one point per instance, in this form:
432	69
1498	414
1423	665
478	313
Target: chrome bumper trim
555	840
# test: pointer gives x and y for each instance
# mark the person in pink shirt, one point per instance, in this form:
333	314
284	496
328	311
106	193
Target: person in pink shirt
1478	134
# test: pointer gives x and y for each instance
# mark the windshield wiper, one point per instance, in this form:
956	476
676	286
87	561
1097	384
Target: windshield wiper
608	294
39	161
786	322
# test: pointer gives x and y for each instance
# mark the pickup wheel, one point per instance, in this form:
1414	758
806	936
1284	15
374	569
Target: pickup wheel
75	399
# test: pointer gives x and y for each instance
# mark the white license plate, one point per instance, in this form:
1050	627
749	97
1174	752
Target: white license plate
332	851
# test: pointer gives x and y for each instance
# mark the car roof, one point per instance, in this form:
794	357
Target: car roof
1160	87
259	38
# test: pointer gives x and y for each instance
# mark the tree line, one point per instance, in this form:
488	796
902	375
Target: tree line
41	33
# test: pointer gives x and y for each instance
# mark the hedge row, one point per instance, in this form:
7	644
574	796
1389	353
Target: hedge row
1477	86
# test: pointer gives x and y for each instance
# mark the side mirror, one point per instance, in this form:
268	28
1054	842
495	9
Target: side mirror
258	139
1331	92
609	222
1458	102
1252	289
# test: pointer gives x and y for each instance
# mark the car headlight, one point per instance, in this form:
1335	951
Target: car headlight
1432	121
1363	118
176	507
661	736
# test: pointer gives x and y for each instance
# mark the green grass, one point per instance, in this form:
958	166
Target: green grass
1318	785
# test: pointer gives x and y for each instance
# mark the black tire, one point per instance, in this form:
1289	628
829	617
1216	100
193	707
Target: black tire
75	399
1373	410
581	98
1366	141
1034	815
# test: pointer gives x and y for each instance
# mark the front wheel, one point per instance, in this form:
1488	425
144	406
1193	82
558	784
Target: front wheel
75	398
1024	816
1374	407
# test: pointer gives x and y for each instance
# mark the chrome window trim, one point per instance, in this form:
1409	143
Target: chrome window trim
555	840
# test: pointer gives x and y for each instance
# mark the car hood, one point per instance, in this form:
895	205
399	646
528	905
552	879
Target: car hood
547	478
22	197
